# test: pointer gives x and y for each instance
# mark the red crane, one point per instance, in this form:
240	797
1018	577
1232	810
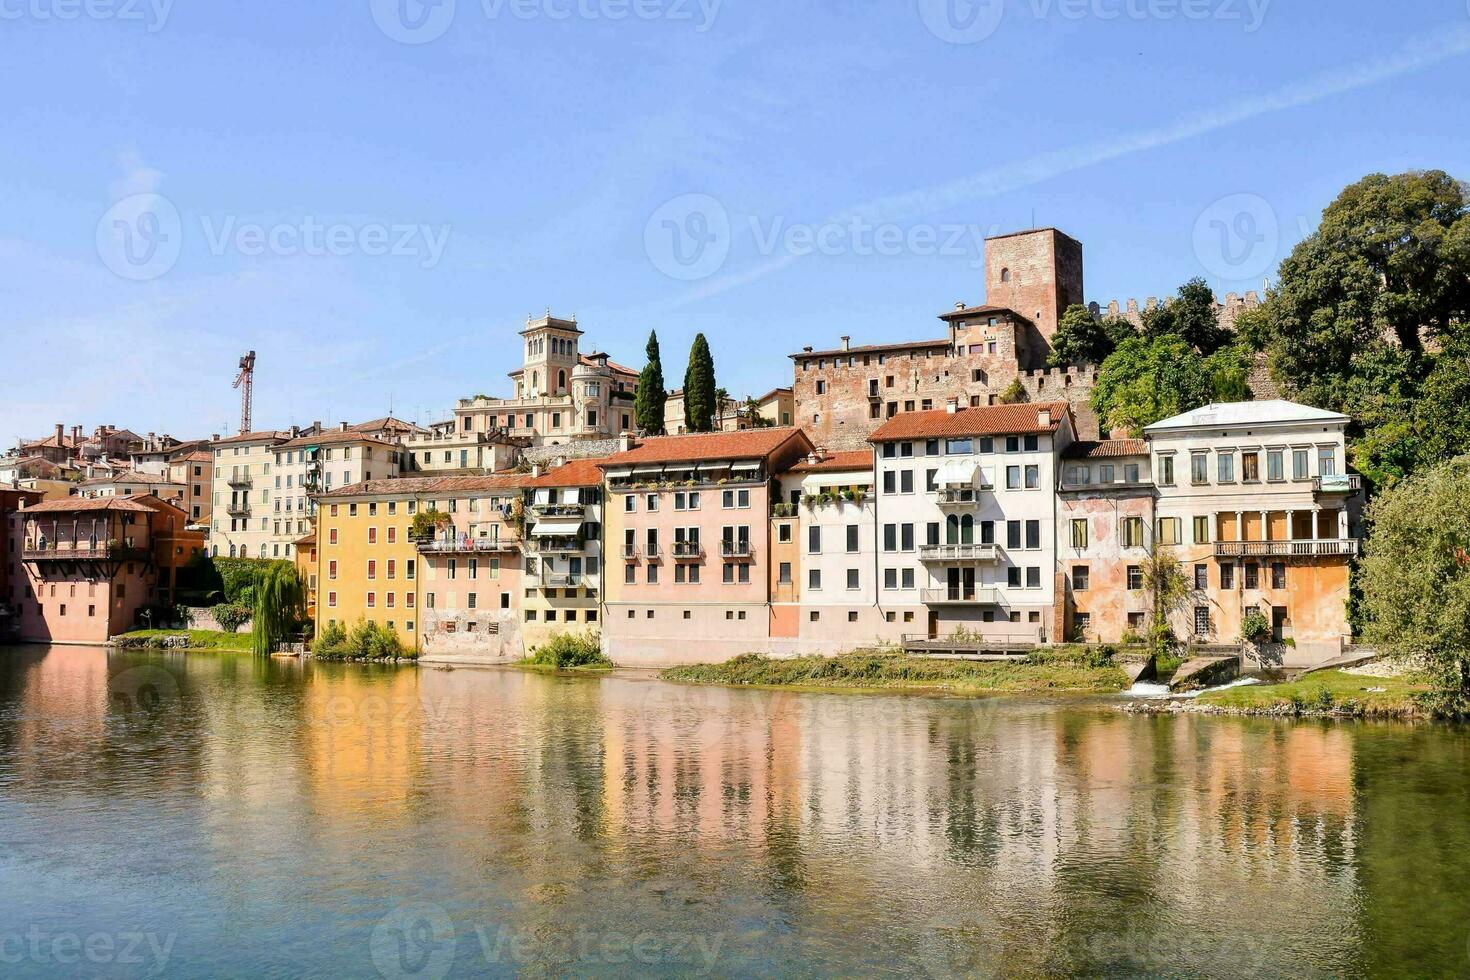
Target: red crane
244	382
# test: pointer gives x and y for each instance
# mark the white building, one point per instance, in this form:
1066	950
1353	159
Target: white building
966	518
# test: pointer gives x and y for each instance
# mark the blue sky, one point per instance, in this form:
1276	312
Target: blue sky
375	196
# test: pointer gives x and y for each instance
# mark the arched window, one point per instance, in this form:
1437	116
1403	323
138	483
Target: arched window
967	530
535	380
1005	275
561	381
232	551
952	529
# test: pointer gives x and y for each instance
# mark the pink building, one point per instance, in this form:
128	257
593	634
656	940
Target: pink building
88	566
688	539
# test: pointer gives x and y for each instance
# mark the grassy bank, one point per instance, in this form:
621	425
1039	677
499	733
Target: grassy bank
1328	692
184	640
1050	671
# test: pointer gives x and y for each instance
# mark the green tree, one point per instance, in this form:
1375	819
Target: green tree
722	400
279	603
699	387
648	403
1170	591
1441	425
1415	575
1082	338
1147	379
1014	394
1229	369
1192	316
1391	258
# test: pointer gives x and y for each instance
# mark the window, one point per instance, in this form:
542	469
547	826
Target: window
1132	532
1201	576
1326	461
814	579
652	574
630	503
1033	534
814	540
958	447
1081	578
1166	470
1079	533
1278	575
1252	575
1275	464
906	480
890	537
1227	575
906	536
1199	468
1225	467
1201	620
1250	467
1013	477
1299	464
1013	534
1201	530
1135	578
852	579
784	573
890	578
332	569
783	532
651	502
1033	477
906	579
852	538
1033	577
1169	530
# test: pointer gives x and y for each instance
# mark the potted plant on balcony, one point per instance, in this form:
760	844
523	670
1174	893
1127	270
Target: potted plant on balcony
426	524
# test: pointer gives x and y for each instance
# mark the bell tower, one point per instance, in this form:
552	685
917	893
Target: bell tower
550	355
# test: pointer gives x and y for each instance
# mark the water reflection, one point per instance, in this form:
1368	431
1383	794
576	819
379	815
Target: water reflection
271	814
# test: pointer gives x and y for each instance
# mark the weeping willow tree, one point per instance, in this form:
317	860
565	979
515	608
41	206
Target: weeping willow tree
279	603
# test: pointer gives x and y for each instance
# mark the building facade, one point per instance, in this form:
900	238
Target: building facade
562	553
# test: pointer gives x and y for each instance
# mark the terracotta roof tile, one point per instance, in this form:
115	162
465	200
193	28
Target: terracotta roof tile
576	473
976	311
1106	449
590	361
265	435
987	420
874	348
858	459
69	505
333	438
430	485
742	444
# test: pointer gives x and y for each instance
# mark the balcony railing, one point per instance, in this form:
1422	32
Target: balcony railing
82	551
560	580
559	510
958	496
650	552
1346	483
630	551
737	549
557	545
960	596
688	549
958	552
463	545
1315	548
240	509
241	480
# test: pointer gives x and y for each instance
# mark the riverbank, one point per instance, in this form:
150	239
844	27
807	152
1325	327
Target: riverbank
185	641
1326	694
1059	671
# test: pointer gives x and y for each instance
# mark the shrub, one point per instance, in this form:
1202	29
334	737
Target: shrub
331	643
565	650
1325	701
1255	629
231	616
366	641
426	521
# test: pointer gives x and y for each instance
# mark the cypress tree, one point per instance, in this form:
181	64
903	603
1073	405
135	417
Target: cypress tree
648	404
699	388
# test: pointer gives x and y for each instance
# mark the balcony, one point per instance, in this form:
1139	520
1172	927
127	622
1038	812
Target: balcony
687	550
959	596
238	508
81	551
559	510
873	394
557	546
630	552
463	545
241	480
651	553
1314	548
957	496
1346	483
737	550
561	580
959	552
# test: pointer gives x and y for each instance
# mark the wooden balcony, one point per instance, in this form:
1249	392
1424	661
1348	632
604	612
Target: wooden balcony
83	551
959	552
960	596
1298	548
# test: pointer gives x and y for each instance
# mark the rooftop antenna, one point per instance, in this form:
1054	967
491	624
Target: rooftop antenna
245	381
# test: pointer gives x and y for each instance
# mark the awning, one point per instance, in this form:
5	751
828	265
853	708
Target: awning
956	472
556	528
745	466
710	467
658	468
849	479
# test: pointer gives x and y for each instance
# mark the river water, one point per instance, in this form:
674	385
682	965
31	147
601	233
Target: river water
164	815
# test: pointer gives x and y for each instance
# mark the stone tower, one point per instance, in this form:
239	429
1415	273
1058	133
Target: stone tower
1038	274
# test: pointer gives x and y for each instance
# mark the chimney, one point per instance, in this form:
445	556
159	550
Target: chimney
341	426
59	429
625	441
316	426
295	431
1043	418
535	470
952	406
214	437
806	350
846	342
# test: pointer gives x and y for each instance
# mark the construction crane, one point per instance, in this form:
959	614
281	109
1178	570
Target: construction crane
244	381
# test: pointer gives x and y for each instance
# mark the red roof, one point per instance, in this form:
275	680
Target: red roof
576	473
590	361
1107	449
69	505
742	444
266	435
331	438
987	420
858	459
430	485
